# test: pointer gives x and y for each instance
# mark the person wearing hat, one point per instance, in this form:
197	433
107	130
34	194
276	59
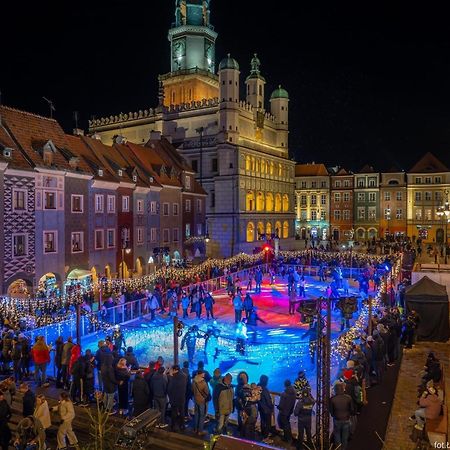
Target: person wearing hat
430	408
301	384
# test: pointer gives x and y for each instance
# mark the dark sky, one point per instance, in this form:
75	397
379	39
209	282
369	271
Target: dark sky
367	82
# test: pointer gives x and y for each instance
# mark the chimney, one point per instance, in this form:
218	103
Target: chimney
155	135
78	132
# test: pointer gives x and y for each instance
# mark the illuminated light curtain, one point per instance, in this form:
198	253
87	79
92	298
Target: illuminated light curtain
250	232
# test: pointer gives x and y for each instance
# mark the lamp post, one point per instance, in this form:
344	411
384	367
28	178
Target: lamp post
443	212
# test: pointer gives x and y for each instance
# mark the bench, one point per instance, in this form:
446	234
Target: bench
437	429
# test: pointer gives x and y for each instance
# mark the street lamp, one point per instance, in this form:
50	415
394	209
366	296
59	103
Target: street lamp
443	212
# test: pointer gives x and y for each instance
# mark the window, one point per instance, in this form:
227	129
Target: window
111	204
140	235
427	180
187	182
428	196
20	245
214	165
337	196
213	199
49	200
314	184
372	196
152	234
303	200
125	203
165	209
250	232
361	212
372	213
176	234
372	182
50	244
314	199
346	197
111	238
152	207
399	196
140	206
323	199
303	185
175	208
303	214
166	235
437	180
188	205
361	196
387	196
418	214
323	215
418	180
360	182
195	165
77	203
418	196
337	214
387	213
187	230
199	229
399	214
346	183
346	214
199	206
313	214
99	235
77	242
337	183
438	196
323	184
99	203
428	214
19	199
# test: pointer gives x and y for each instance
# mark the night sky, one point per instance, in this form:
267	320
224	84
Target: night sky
367	83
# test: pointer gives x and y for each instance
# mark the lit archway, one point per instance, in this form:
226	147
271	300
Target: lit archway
260	228
139	267
277	202
372	233
269	202
278	229
285	202
248	163
260	201
250	232
285	229
268	229
250	201
360	233
123	271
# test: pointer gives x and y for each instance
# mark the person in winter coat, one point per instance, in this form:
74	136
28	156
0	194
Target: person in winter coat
122	373
248	305
89	378
238	305
341	409
59	345
202	396
430	407
5	416
223	402
140	392
153	305
65	360
214	381
301	384
42	412
132	361
265	408
16	356
303	411
176	390
29	430
188	397
209	306
28	401
41	357
159	389
185	305
285	409
109	382
77	369
67	414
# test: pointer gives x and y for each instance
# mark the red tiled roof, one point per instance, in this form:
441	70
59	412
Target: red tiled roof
17	160
429	164
307	170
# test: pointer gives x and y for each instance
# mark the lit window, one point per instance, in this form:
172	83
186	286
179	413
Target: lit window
187	230
111	204
250	232
387	196
50	245
346	197
399	196
187	181
49	200
337	214
77	203
337	197
372	196
77	242
99	203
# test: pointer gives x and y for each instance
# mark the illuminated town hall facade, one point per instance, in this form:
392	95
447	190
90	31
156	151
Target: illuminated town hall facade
238	149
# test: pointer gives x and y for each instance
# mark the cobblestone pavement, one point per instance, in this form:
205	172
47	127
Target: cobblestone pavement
399	432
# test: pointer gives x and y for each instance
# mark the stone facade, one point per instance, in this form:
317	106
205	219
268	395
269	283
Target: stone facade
393	201
341	205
